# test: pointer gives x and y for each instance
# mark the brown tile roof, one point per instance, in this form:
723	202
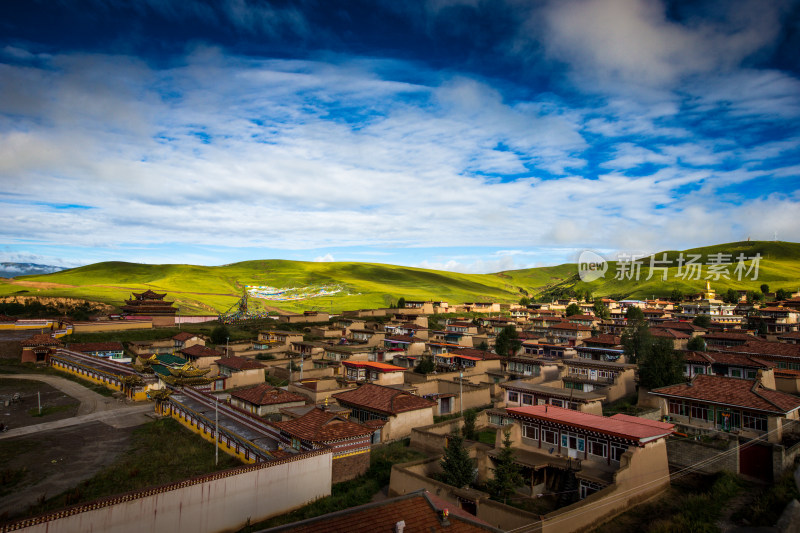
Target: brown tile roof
582	317
604	338
239	363
790	335
41	339
403	338
682	326
322	426
744	393
668	333
766	348
184	336
383	399
86	347
419	510
200	351
731	336
266	395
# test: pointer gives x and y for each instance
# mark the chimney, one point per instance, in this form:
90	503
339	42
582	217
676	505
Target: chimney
400	526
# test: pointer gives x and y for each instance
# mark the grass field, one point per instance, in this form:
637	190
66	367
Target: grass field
203	290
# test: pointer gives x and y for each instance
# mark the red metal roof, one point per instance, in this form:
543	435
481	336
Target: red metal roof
383	367
622	427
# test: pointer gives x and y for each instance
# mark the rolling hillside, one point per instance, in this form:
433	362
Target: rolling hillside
202	290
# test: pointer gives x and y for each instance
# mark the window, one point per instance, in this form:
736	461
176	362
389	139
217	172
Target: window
557	403
750	374
702	412
541	401
754	421
677	407
735	372
527	399
598	448
530	432
550	437
616	451
513	396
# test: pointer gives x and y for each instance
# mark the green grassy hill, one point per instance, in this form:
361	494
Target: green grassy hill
202	290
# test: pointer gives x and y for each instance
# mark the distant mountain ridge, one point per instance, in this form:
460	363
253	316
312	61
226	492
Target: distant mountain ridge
12	270
203	289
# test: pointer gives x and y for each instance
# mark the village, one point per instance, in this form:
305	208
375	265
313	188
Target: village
535	416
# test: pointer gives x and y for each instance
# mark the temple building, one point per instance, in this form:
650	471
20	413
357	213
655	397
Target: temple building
151	305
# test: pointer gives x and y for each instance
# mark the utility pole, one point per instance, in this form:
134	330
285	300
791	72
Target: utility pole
227	345
216	431
461	391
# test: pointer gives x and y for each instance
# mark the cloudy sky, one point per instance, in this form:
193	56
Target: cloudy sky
464	135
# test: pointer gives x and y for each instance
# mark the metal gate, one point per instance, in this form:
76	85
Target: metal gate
755	460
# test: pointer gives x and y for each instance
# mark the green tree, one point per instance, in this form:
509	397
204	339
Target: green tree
754	297
425	366
401	302
469	425
782	294
458	469
676	295
524	300
731	297
634	314
600	310
507	474
703	321
220	334
573	309
764	288
483	345
661	365
636	340
696	344
507	342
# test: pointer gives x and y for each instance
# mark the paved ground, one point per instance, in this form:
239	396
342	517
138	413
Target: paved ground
90	401
46	458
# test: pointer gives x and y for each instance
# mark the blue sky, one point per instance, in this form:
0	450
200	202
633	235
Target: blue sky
473	136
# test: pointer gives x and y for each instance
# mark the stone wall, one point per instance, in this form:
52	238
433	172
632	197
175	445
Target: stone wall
350	467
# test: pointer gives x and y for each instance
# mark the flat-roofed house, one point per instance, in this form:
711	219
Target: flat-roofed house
621	450
374	372
613	380
521	394
397	410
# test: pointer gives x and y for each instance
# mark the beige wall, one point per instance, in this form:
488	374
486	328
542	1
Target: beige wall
643	473
219	502
245	377
111	325
399	426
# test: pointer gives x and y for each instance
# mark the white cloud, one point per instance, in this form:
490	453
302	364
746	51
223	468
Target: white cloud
616	42
327	258
227	151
